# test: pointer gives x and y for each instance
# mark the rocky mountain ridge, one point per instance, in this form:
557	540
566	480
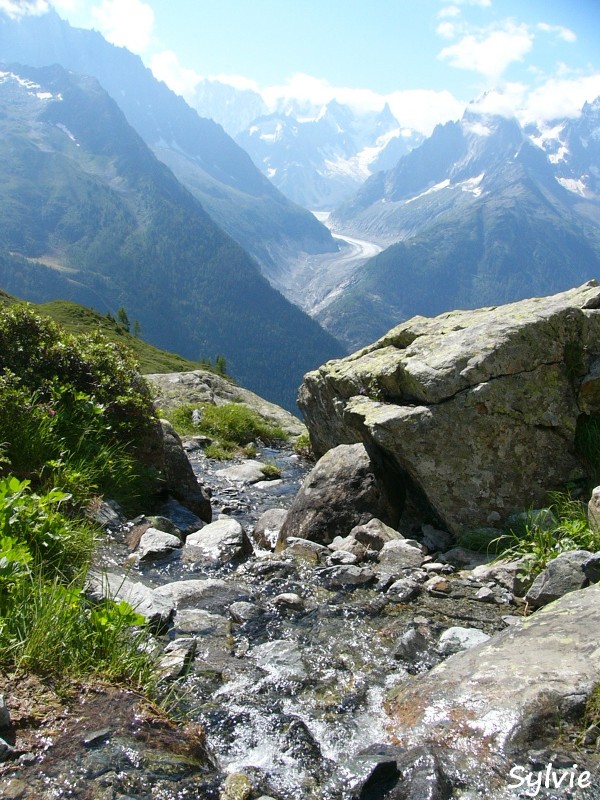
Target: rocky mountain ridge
207	161
91	215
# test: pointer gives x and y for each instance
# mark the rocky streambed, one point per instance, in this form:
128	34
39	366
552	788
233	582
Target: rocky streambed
298	672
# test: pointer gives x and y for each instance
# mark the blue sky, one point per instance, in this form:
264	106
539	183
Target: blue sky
428	58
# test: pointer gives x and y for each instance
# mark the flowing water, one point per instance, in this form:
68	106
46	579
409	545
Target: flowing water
289	697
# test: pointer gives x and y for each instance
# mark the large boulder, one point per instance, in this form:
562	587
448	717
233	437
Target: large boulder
483	707
200	386
478	409
344	489
179	478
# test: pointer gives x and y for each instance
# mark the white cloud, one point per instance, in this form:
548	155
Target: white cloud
237	81
166	67
126	23
66	6
23	8
554	99
490	51
448	11
566	34
560	97
447	30
423	109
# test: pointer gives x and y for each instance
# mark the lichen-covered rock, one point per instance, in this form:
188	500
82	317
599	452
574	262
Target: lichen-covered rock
174	389
482	707
476	409
345	488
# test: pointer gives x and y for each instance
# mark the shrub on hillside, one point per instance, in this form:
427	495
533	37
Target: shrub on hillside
74	410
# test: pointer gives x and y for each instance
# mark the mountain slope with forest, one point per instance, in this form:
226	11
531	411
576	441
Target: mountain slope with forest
203	157
91	215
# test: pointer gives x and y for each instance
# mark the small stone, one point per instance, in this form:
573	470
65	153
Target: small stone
350	575
436	566
97	737
243	612
349	544
456	639
267	527
7	752
156	544
486	595
341	557
305	549
177	657
237	786
437	585
374	534
403	590
563	574
289	601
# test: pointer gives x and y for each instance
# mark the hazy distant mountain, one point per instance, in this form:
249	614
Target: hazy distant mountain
573	148
320	159
90	214
232	108
218	172
479	216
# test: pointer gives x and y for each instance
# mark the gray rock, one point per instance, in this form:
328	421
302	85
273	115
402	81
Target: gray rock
246	473
346	575
562	575
435	540
166	525
108	514
341	557
184	520
179	478
289	601
156	608
482	706
437	585
456	639
486	595
464	559
403	590
412	646
591	568
210	594
221	541
267	484
344	489
4	714
348	544
470	396
305	549
375	534
198	621
267	527
7	751
397	556
200	386
423	776
508	574
177	657
281	658
156	544
242	611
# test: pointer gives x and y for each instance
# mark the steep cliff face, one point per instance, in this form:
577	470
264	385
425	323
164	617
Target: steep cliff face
479	410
